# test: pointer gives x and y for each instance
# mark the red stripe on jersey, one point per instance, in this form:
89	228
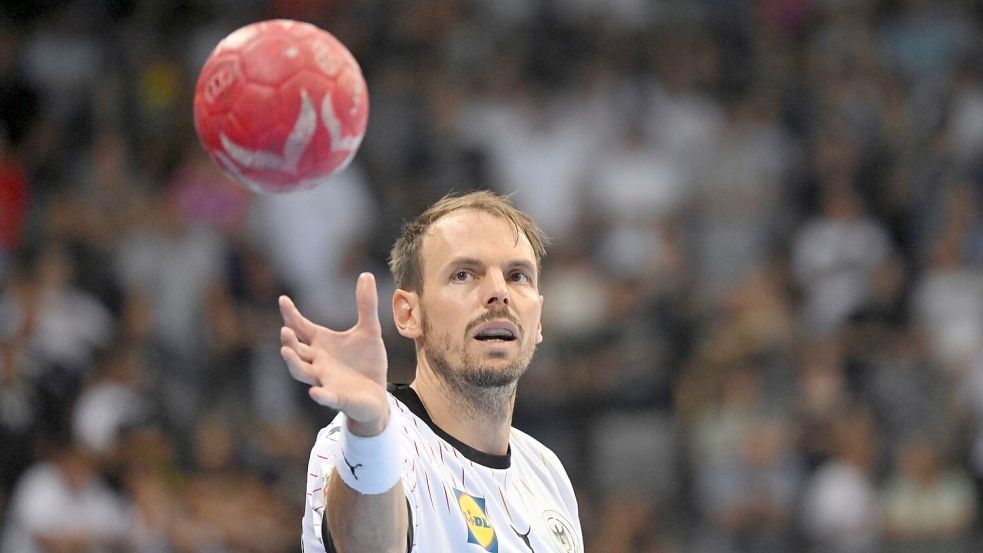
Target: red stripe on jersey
447	500
312	474
432	505
322	457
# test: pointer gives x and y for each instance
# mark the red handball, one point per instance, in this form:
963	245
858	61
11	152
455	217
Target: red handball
280	106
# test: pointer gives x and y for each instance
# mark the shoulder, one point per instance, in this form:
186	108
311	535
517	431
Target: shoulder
529	454
540	467
530	448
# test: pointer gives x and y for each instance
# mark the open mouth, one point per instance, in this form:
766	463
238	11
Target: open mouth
495	335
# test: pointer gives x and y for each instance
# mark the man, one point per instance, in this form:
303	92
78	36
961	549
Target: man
435	466
100	518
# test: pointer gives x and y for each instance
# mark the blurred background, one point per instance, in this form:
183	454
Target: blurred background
764	298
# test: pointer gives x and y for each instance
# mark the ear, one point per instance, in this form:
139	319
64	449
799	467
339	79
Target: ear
407	313
539	325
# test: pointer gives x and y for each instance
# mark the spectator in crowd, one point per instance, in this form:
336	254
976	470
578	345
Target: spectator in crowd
834	257
96	516
111	402
948	298
54	327
19	419
167	265
928	504
840	508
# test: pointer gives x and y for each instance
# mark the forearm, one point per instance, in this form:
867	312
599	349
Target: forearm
366	523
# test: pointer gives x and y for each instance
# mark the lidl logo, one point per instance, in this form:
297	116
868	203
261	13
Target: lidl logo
480	530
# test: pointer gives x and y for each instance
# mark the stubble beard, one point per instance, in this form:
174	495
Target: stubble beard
476	388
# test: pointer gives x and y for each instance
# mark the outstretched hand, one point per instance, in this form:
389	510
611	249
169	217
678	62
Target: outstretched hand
346	370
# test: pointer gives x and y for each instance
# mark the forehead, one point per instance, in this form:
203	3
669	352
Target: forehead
474	234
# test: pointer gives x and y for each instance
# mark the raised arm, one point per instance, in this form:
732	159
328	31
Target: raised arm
347	371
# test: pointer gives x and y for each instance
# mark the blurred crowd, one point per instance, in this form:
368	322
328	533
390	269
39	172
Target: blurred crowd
764	294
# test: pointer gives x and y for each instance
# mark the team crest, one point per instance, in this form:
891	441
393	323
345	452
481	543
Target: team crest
561	533
480	530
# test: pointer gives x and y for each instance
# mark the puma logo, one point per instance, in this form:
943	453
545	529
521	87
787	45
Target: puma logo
524	537
350	466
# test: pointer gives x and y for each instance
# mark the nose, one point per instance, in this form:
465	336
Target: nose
496	290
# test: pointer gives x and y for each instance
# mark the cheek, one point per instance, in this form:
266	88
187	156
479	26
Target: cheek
531	318
442	320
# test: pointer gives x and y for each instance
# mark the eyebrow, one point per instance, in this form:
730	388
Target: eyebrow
473	262
524	265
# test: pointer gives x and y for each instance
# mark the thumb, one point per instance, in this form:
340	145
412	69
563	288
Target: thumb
325	397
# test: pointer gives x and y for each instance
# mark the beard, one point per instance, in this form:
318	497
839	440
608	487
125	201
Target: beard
472	372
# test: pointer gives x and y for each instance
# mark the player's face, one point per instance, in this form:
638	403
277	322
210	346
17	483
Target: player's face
480	304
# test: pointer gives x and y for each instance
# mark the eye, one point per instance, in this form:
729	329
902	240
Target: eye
461	276
520	277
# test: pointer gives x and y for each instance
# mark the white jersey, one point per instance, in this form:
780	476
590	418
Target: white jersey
460	499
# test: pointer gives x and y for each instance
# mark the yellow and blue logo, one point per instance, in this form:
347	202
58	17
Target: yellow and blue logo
480	530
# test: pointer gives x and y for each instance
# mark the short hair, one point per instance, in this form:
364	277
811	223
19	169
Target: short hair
406	257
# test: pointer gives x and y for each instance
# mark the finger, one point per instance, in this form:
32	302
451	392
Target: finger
289	339
304	328
324	396
367	299
299	370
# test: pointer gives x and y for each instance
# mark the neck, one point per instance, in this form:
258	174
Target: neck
478	417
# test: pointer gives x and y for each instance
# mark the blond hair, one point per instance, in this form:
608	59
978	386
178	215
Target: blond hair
406	258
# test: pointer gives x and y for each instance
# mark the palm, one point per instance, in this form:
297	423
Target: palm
358	350
346	370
